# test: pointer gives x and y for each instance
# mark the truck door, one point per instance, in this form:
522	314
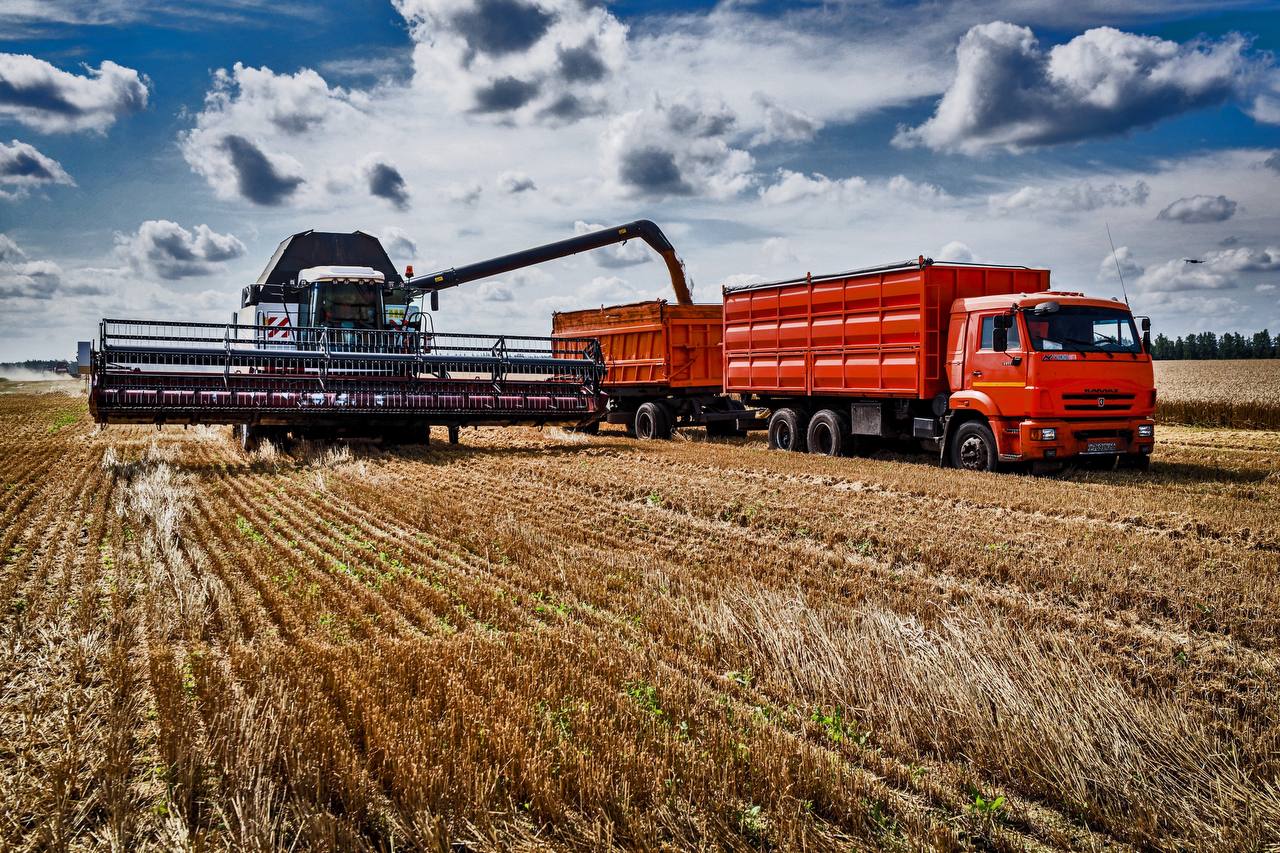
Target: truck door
1002	376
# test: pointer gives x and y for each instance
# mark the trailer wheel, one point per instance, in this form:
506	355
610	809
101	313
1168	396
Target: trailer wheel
973	447
786	431
652	422
828	434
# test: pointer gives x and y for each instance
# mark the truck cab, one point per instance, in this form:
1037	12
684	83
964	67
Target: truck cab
1047	376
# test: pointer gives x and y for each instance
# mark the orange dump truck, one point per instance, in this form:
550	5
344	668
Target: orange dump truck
982	364
665	365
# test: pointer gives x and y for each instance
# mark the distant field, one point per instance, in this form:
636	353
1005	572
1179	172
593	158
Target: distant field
1242	393
549	641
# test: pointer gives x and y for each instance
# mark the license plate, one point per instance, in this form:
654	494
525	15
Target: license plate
1102	447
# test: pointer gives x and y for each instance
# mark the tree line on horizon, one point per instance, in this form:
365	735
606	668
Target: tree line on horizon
1207	345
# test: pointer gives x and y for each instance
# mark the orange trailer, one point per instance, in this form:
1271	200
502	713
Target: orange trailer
664	364
652	345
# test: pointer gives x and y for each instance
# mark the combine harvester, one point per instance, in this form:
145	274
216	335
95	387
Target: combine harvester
980	364
335	346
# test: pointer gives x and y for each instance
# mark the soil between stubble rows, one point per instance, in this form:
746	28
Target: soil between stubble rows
549	641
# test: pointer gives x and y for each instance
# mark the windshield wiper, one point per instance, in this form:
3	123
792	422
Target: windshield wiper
1091	344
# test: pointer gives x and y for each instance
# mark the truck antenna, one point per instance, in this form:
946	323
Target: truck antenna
1116	258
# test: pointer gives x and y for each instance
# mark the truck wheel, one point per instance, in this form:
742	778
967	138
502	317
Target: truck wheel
652	421
1136	461
786	431
828	434
973	447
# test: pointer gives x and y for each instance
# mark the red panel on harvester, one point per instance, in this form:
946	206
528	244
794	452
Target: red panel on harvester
652	345
869	333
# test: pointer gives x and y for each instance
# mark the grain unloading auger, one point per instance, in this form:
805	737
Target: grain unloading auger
336	346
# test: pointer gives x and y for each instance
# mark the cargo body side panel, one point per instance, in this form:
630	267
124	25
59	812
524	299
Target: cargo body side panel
652	346
882	334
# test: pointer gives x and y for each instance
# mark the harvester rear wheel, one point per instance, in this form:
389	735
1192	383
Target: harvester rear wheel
786	431
828	434
652	421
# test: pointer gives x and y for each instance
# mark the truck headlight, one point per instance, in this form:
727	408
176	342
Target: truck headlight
1146	430
1049	434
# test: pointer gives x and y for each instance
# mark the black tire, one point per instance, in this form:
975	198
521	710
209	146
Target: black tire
652	421
250	437
787	431
973	447
828	434
1136	461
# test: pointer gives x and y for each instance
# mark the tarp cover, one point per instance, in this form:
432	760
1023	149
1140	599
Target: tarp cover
325	248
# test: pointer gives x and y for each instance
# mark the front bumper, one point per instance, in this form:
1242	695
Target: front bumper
1019	440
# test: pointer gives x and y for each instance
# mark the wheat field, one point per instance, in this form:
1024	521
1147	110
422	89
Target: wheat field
539	640
1244	394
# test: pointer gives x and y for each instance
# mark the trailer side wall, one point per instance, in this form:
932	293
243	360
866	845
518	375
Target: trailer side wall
652	345
880	334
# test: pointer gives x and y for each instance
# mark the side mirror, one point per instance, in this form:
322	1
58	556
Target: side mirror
1000	338
1146	334
435	300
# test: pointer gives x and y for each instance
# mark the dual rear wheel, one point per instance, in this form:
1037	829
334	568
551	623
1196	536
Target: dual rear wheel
826	433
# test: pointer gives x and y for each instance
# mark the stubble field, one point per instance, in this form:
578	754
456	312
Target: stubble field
540	640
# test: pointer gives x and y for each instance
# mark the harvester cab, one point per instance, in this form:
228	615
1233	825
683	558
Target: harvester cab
319	280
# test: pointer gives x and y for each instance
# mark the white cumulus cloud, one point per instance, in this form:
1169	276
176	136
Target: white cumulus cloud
169	251
515	60
1198	209
796	186
24	169
1070	198
44	97
1009	92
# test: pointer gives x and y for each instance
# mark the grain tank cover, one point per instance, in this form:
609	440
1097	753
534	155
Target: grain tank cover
326	248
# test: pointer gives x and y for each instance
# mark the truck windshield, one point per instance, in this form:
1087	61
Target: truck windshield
1083	329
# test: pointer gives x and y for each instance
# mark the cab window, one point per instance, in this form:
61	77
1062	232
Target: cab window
988	330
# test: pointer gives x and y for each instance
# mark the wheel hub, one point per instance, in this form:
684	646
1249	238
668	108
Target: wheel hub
973	453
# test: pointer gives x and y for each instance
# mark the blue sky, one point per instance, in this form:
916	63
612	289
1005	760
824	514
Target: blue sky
150	160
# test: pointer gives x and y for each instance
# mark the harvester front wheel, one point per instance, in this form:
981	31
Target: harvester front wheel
973	447
652	421
786	431
250	437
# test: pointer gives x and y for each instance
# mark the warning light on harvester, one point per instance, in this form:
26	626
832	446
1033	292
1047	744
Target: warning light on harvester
408	271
